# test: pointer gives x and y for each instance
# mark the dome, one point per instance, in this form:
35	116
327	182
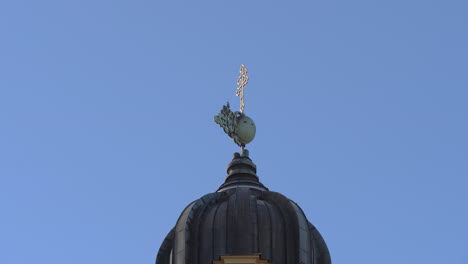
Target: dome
243	218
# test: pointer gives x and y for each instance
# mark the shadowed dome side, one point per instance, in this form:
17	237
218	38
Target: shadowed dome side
243	218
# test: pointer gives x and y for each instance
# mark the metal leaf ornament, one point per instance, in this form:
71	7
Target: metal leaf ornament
228	121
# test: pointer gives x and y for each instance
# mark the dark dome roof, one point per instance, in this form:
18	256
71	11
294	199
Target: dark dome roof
243	218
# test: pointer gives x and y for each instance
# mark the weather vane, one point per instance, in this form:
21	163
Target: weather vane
237	125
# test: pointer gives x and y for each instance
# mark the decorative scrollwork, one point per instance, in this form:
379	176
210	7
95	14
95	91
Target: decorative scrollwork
242	81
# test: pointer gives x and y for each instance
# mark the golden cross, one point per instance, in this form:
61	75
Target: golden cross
242	81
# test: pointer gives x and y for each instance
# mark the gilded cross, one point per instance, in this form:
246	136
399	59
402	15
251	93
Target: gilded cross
241	82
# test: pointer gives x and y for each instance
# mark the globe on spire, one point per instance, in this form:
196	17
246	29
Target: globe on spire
237	125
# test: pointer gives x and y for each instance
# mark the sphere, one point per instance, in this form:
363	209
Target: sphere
246	129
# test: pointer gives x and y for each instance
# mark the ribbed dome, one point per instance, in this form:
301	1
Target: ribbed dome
243	218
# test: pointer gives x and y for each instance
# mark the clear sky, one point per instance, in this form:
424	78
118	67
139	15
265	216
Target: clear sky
107	132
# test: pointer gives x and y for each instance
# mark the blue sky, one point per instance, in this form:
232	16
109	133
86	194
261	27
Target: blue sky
107	132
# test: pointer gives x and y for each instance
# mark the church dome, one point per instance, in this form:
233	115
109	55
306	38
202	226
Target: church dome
243	218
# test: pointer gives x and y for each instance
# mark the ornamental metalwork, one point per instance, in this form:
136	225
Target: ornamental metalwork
237	125
227	119
241	82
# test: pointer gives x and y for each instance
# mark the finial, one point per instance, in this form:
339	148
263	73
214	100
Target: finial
237	125
242	81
